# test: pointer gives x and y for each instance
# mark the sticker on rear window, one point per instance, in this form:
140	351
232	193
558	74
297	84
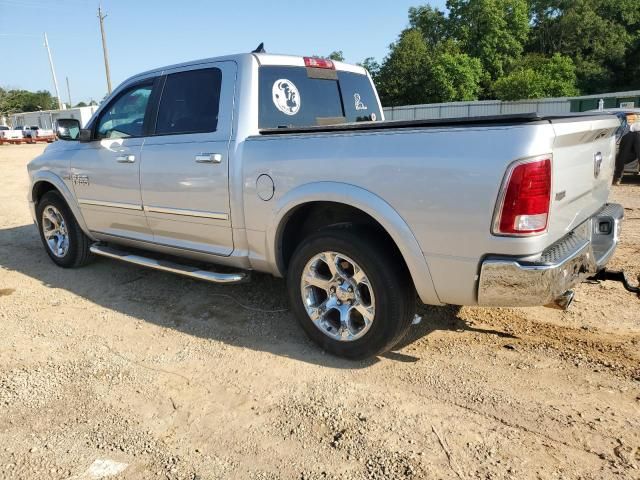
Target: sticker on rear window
358	101
286	97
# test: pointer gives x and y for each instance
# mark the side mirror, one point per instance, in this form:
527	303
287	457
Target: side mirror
67	128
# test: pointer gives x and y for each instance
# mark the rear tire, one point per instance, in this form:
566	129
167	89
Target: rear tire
386	290
63	239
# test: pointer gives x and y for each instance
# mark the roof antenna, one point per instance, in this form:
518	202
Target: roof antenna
260	49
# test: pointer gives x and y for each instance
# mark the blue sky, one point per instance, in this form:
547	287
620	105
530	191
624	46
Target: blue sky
142	34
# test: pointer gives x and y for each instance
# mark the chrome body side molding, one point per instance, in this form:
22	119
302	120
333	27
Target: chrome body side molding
100	203
187	213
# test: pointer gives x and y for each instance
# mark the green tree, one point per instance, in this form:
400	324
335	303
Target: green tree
599	35
372	66
16	101
81	104
401	78
432	23
415	73
494	31
538	76
336	55
455	77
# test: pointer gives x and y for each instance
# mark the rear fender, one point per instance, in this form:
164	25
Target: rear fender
369	203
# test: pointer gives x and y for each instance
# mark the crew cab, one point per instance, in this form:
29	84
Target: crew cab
285	165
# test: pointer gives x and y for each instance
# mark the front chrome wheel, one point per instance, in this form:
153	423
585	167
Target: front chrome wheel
55	231
338	296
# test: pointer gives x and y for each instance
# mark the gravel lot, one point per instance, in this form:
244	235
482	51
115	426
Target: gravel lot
172	378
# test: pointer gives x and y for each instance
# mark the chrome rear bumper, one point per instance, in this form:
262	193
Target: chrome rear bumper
509	282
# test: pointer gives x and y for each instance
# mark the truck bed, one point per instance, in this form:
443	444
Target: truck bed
493	120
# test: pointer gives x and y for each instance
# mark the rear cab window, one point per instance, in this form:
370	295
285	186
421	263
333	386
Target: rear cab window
302	97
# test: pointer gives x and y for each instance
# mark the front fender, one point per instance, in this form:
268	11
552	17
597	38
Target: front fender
369	203
59	184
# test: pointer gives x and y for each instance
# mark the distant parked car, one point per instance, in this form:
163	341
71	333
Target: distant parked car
8	135
36	134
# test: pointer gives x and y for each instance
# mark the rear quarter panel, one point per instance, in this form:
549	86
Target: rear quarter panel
443	182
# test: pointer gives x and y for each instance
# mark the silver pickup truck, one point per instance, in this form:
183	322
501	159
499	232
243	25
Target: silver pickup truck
285	165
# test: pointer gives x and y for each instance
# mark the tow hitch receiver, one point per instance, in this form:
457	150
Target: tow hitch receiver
617	276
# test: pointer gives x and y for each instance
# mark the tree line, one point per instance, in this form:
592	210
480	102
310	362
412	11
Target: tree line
17	101
511	50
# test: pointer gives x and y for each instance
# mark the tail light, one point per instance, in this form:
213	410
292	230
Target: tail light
315	62
525	198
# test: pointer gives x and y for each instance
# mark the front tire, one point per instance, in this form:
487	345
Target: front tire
351	292
63	239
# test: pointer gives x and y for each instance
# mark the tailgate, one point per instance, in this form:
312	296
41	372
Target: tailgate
583	162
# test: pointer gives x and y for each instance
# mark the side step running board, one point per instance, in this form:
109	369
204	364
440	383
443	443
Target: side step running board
186	270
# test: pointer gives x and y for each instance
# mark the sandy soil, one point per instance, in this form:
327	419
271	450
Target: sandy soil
173	378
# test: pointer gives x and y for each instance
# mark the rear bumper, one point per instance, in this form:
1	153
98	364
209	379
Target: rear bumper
514	282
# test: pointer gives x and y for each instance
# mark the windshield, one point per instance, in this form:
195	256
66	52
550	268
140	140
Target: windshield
291	97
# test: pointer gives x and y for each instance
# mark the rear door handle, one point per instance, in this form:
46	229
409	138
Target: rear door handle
208	158
126	158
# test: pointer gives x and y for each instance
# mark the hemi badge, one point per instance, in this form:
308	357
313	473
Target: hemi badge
561	195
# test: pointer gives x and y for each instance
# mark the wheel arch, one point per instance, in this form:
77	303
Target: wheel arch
45	182
352	199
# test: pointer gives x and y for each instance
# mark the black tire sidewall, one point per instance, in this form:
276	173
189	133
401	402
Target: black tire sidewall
394	294
55	199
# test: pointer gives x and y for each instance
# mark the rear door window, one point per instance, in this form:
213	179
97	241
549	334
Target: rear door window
190	102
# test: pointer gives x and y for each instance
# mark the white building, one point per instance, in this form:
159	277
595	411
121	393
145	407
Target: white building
47	118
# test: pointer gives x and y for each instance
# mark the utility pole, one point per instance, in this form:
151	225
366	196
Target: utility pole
104	48
69	93
53	71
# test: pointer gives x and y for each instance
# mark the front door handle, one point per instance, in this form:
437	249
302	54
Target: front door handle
208	158
126	158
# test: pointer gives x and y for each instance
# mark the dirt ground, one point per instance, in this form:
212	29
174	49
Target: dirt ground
116	368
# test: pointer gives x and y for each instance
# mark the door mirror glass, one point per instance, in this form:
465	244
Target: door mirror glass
67	129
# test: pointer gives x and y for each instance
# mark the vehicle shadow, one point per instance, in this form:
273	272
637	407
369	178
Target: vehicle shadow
252	315
631	180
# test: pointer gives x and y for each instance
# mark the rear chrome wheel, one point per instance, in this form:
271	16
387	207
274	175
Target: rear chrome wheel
350	291
338	296
54	229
